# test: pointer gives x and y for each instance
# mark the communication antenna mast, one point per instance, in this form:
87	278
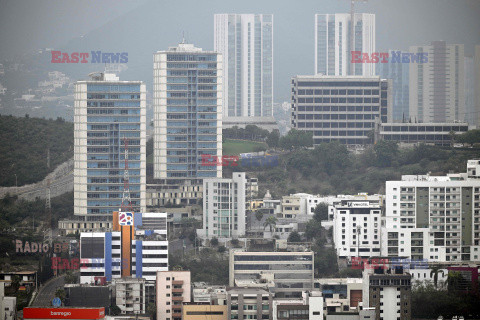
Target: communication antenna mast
48	209
126	200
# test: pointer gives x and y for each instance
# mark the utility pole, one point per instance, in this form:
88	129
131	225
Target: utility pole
48	209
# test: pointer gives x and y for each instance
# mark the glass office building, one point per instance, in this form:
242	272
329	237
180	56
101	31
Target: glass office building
187	103
108	111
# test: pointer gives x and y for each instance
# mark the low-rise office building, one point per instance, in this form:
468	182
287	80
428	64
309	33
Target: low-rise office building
291	272
204	311
415	133
249	303
340	108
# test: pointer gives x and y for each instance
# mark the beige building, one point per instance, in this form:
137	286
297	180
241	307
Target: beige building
173	289
437	86
204	311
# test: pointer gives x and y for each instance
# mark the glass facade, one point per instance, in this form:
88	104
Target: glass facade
113	113
190	113
398	72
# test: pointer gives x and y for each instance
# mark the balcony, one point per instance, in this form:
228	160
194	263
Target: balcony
177	282
177	298
177	290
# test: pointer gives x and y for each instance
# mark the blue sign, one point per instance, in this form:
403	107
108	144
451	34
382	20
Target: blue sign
56	302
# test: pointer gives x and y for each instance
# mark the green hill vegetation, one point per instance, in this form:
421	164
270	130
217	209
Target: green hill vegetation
331	169
24	146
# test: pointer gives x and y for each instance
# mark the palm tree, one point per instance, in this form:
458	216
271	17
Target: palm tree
434	270
271	221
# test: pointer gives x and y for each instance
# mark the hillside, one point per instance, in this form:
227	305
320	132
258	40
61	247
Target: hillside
331	169
24	145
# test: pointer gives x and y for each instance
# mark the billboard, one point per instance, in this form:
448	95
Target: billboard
125	218
64	313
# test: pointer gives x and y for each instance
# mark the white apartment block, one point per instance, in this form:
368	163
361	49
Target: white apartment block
187	102
224	207
437	92
304	203
130	295
332	43
246	43
434	217
173	288
356	229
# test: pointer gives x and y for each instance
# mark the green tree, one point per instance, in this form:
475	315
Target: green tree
313	229
471	137
214	242
259	215
70	277
60	293
270	222
273	138
296	139
321	212
385	152
294	236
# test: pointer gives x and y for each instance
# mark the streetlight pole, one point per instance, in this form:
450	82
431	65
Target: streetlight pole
16	183
359	231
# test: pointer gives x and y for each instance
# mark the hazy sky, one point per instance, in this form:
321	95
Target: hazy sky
145	26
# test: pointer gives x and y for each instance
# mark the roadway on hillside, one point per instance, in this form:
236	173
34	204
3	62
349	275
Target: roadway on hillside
61	181
47	292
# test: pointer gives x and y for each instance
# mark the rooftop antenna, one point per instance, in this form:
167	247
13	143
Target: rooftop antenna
183	37
126	200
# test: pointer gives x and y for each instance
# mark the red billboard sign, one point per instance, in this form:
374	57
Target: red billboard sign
64	313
